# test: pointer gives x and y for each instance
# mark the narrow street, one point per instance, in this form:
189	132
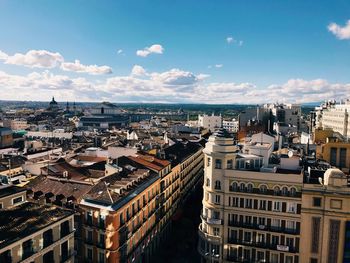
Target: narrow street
182	245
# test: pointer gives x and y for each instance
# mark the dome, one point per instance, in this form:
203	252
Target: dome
335	177
53	102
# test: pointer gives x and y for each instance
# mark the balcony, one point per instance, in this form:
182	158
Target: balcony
212	221
43	251
263	245
209	237
276	229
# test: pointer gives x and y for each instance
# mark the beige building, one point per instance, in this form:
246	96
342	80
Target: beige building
252	216
325	235
248	216
32	232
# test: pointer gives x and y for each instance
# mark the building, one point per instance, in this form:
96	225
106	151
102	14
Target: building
231	126
336	152
53	105
16	124
326	220
6	138
104	116
127	216
336	117
32	232
247	216
210	122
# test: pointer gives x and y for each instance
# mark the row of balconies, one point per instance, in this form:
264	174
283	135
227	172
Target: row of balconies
263	245
279	229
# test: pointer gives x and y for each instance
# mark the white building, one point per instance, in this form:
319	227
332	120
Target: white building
336	117
231	126
210	122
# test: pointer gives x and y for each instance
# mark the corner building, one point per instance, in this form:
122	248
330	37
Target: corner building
247	216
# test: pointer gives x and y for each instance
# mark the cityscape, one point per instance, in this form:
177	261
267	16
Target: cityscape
175	131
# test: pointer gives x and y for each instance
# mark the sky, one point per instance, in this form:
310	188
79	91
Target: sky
175	51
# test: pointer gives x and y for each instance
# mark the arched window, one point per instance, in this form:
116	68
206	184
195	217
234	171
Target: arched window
293	191
263	189
217	185
233	186
208	182
284	191
250	188
276	190
242	187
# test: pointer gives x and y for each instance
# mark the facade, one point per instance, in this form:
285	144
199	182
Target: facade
126	217
336	117
210	122
326	220
335	152
231	126
6	138
248	216
16	124
32	232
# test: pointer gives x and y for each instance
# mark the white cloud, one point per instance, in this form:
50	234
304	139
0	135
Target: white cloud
240	43
48	60
91	69
120	51
156	49
175	86
138	71
229	40
339	31
219	65
33	59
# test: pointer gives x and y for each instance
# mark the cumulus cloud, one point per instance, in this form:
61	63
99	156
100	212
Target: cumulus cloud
76	66
119	51
48	60
138	71
229	40
33	59
341	32
172	86
156	49
219	65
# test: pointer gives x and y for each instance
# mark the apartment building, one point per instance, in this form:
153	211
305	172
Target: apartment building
248	216
230	125
325	235
127	215
32	232
210	122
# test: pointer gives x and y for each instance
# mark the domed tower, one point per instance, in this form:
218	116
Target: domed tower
53	105
219	155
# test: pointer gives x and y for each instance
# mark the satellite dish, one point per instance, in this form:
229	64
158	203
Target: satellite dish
290	154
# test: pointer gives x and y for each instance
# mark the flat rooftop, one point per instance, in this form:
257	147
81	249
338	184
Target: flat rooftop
6	190
23	220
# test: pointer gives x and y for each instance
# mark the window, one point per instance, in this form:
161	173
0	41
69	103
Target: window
315	234
234	186
248	220
293	191
89	236
250	188
216	215
1	206
89	253
292	208
217	164
262	205
208	182
261	256
248	203
276	190
208	161
333	156
284	191
262	221
290	225
342	158
217	185
242	187
290	242
275	223
333	242
275	240
277	206
248	237
101	257
263	189
89	217
17	200
289	259
216	231
317	201
229	164
27	249
102	240
274	258
217	199
313	260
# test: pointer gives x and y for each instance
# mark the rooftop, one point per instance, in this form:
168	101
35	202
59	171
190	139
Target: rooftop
6	190
23	220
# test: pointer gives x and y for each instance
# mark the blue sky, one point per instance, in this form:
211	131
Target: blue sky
201	51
